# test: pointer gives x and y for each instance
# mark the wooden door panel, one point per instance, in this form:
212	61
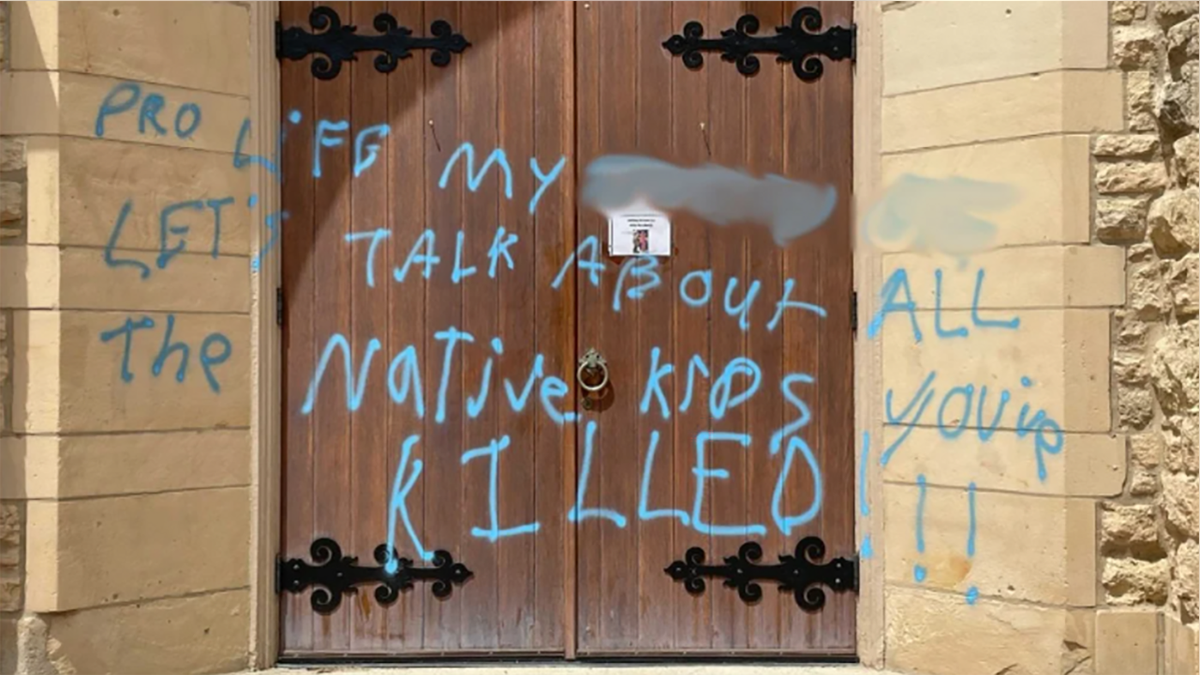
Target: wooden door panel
388	260
720	475
437	306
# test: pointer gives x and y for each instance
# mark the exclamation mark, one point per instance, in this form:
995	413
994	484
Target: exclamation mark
972	592
866	551
918	569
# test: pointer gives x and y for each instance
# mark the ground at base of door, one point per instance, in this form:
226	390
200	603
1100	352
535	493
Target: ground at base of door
586	669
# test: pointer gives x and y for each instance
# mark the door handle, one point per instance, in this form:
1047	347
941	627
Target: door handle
592	374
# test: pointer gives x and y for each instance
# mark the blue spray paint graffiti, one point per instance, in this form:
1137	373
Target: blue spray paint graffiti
919	571
960	407
494	532
208	359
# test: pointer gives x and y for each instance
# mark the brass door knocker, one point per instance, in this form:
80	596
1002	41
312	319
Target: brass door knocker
592	375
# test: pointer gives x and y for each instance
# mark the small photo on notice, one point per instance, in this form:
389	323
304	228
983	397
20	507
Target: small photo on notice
641	241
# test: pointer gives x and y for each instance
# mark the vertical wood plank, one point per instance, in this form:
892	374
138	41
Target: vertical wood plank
615	454
690	140
331	419
368	451
478	118
656	590
589	299
554	225
727	139
517	563
836	366
818	149
296	248
801	330
405	217
442	445
765	413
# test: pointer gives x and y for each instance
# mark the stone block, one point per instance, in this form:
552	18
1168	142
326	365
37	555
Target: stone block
1177	103
1088	465
1124	12
1148	297
1130	177
1187	156
1179	648
12	154
1174	369
1063	353
1173	219
1183	282
10	535
12	201
91	552
69	467
198	634
68	104
8	626
1129	581
50	277
10	590
1179	435
1077	101
1172	12
67	379
1048	174
1050	276
994	637
1067	36
1136	47
1129	527
1125	146
93	178
1126	642
1121	220
1185	567
1180	504
1145	456
1039	549
1139	97
198	45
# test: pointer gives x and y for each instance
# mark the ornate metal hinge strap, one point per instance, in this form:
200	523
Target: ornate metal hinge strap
336	43
336	575
799	573
800	44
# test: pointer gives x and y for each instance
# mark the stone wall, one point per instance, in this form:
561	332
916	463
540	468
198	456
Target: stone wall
12	217
990	535
1147	200
126	293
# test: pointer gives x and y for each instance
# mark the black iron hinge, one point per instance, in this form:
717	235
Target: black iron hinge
800	573
332	575
854	312
334	43
278	306
800	43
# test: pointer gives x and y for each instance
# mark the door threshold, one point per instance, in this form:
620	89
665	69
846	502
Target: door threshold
748	667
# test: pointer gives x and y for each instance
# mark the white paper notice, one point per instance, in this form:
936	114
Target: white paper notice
639	233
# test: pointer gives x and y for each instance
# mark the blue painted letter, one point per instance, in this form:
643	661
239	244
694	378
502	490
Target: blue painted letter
786	523
492	450
703	473
577	512
399	504
354	392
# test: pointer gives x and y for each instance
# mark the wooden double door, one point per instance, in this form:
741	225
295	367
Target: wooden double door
445	269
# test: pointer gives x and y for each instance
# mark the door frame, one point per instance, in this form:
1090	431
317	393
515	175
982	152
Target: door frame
266	382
